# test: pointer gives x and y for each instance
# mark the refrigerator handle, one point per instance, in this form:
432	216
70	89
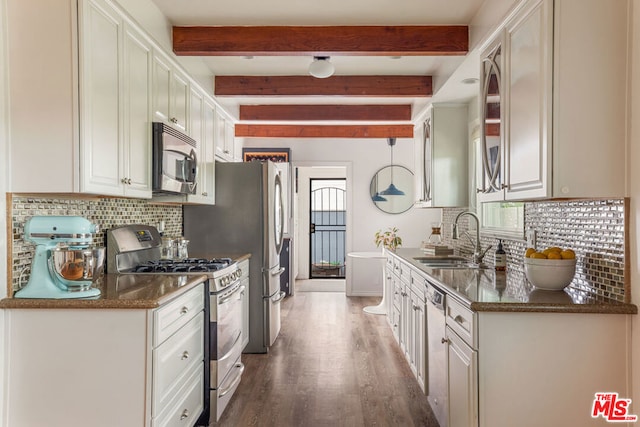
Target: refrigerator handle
279	272
279	298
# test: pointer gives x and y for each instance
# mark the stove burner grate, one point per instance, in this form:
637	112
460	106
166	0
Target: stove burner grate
189	265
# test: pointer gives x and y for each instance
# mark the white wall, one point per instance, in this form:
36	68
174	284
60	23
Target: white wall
634	215
4	168
365	157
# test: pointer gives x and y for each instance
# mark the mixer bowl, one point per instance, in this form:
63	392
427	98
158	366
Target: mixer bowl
76	269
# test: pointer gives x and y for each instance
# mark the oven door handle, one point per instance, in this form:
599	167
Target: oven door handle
230	296
235	381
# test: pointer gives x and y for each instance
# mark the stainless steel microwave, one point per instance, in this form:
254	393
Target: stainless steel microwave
175	164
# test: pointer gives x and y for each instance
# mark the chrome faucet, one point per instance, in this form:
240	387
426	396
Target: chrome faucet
478	253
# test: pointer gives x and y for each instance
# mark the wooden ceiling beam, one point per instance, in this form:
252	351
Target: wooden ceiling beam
326	112
323	131
408	40
382	86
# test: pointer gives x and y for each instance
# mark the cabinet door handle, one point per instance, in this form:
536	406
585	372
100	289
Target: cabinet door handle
444	340
185	414
123	180
173	120
459	319
205	194
129	181
184	310
185	355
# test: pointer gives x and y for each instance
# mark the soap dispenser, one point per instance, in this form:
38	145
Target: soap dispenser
500	257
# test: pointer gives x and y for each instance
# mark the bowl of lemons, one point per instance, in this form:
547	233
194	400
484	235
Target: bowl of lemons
551	269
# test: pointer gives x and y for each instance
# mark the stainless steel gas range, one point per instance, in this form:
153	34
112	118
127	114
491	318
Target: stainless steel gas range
135	249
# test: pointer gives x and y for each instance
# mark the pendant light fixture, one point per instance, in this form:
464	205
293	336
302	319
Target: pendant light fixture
321	67
392	190
377	197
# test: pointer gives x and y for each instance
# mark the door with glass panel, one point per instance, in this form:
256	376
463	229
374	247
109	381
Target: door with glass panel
327	228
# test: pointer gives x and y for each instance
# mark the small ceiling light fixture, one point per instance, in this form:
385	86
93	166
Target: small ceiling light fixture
392	190
470	81
321	67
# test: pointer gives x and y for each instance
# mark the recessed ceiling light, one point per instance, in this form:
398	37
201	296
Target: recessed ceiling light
247	57
395	57
470	81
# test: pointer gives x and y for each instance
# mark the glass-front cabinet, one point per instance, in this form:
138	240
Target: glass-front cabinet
492	143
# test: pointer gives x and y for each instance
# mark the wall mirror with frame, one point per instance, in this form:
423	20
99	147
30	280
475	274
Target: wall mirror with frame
392	189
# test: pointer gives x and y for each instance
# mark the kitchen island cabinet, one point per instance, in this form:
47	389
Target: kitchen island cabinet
535	360
120	366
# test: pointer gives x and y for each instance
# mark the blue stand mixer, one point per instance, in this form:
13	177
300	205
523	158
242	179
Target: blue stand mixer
64	265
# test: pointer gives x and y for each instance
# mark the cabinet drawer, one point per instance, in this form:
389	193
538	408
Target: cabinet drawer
389	263
187	403
175	314
174	358
461	320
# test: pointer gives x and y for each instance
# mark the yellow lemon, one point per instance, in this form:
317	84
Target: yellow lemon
550	250
554	248
568	254
538	255
528	252
554	255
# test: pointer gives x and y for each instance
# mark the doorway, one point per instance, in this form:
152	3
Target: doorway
304	173
327	229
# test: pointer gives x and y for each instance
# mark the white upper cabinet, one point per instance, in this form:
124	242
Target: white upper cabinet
201	128
115	131
443	158
170	93
101	121
225	140
136	163
553	104
87	126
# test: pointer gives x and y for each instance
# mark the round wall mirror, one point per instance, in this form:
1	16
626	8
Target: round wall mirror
391	189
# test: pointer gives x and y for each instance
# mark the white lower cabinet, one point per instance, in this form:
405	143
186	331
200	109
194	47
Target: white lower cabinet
506	368
418	339
406	314
462	365
107	367
462	374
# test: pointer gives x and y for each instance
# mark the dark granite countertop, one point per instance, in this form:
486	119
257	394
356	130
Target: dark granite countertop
145	291
488	290
128	291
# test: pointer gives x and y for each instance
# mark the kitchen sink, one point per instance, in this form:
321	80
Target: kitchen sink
445	262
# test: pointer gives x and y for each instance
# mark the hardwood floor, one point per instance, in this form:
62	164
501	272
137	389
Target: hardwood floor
332	365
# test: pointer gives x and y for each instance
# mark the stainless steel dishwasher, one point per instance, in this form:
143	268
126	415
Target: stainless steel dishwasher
437	354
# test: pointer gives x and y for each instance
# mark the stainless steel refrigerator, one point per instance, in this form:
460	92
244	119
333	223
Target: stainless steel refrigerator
247	218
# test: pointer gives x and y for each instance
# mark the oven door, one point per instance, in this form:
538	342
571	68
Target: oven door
225	331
